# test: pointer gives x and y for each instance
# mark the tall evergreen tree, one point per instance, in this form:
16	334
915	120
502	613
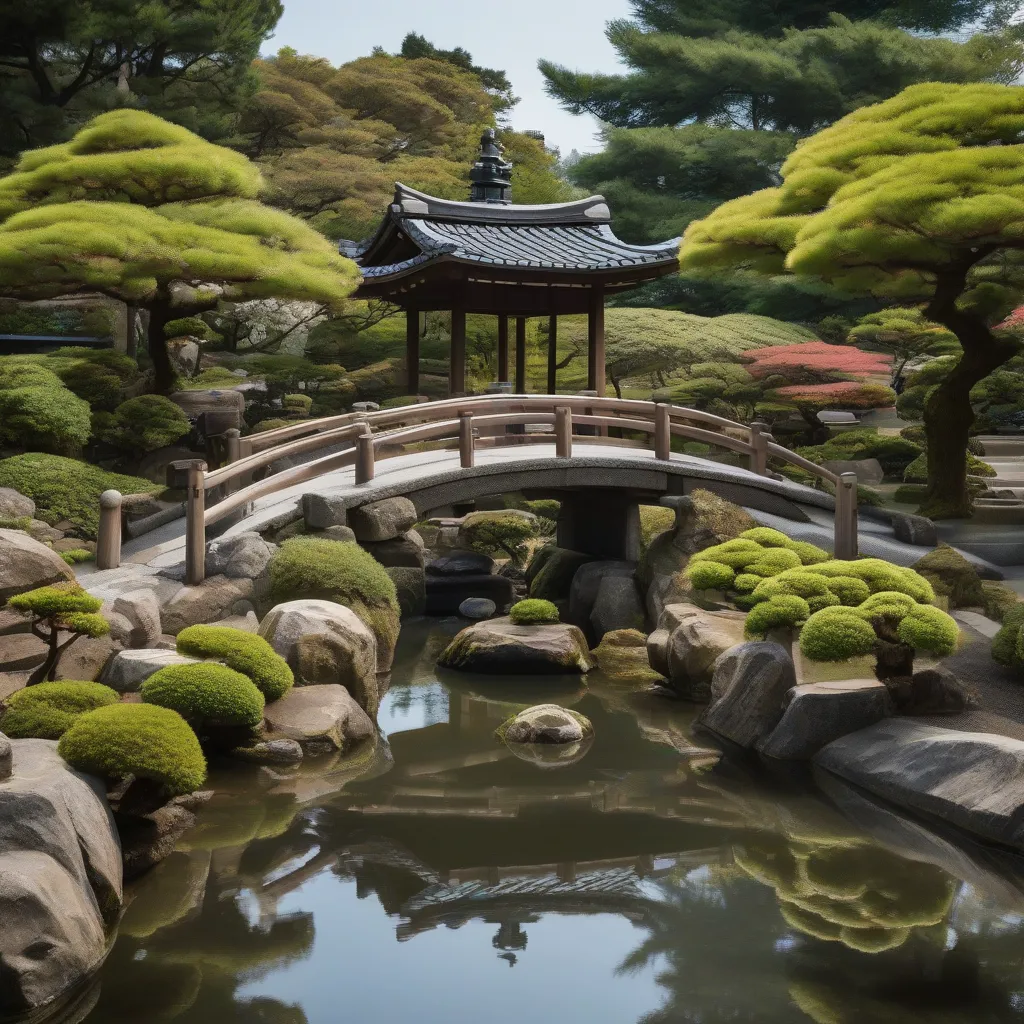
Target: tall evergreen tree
718	93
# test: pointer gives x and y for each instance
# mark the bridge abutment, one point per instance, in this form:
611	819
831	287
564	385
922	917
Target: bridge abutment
599	522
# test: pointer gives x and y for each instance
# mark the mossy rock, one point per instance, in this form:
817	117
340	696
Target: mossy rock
499	647
622	657
952	576
552	581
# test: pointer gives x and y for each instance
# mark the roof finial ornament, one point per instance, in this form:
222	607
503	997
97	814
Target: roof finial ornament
491	176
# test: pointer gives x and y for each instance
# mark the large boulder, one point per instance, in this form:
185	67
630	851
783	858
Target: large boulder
972	780
324	642
499	647
322	511
546	723
867	471
586	583
749	688
617	606
382	520
446	593
87	658
142	611
244	556
209	601
697	638
15	505
128	670
819	713
321	718
26	564
403	552
60	877
552	570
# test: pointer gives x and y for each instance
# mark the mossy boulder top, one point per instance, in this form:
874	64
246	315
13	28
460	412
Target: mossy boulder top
500	647
546	723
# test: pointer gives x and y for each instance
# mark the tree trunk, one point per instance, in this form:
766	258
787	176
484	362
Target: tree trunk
47	672
159	314
893	660
948	415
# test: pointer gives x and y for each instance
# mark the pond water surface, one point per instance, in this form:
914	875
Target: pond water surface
442	879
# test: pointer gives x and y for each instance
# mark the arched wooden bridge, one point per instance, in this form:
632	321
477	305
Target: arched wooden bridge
463	448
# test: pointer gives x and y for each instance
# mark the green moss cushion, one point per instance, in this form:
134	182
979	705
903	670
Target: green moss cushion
785	610
1006	641
533	611
929	629
709	575
47	710
835	634
244	652
207	695
143	740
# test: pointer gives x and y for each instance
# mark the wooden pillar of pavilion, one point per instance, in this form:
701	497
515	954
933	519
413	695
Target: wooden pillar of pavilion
520	388
595	342
457	360
412	351
552	355
502	348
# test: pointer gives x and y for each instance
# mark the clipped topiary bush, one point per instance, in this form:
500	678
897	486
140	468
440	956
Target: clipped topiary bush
46	711
297	406
532	612
952	576
244	652
207	695
146	423
1007	647
50	419
782	611
499	533
140	740
343	572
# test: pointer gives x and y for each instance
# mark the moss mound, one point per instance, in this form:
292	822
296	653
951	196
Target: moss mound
952	576
533	612
46	711
339	571
207	695
551	571
142	740
66	488
244	652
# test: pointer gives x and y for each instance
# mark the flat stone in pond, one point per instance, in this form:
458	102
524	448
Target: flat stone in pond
546	723
969	779
461	563
317	716
478	608
499	647
280	751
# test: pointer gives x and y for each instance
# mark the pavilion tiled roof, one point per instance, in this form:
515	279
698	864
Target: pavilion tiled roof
557	237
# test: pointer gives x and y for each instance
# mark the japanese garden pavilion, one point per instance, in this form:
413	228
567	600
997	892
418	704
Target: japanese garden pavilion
489	257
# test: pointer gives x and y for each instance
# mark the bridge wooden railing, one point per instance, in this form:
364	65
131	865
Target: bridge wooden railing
374	435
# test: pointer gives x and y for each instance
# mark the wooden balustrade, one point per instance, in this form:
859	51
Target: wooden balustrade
464	420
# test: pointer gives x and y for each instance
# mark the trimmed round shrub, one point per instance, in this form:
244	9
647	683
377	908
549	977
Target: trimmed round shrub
207	696
930	629
297	406
774	561
710	575
146	423
766	537
533	611
850	590
835	634
886	604
272	424
810	554
737	554
244	652
19	373
953	576
746	582
47	710
784	610
51	417
142	740
1006	643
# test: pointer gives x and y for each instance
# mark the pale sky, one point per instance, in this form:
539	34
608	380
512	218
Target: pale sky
512	36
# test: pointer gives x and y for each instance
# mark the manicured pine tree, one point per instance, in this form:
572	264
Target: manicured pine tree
147	212
917	199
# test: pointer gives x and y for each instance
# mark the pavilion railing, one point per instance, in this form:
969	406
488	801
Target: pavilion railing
369	437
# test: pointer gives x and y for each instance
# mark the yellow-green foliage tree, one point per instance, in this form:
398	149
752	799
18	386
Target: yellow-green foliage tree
146	211
920	200
333	141
905	333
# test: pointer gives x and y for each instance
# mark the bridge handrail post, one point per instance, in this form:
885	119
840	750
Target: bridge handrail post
365	455
195	524
663	431
108	537
563	432
466	453
759	435
846	546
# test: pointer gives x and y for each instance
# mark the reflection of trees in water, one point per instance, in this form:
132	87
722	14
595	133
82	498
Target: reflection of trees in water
845	891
